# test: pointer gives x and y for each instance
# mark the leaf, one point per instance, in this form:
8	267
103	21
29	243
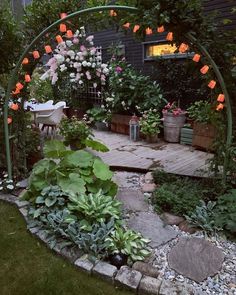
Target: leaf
54	149
96	145
101	170
79	158
50	201
73	184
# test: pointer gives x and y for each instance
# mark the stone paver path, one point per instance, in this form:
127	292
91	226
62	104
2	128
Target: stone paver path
173	158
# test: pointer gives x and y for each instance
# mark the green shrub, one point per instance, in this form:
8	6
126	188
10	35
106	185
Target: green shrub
160	177
179	197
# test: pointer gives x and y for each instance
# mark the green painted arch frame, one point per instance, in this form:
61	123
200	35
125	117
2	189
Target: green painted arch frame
189	36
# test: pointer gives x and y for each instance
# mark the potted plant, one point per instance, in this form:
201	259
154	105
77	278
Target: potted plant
205	118
75	132
173	119
100	117
150	125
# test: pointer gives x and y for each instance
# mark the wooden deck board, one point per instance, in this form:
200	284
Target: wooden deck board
173	158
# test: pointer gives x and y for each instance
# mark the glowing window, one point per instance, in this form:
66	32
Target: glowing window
161	49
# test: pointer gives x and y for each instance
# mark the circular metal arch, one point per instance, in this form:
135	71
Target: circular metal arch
202	49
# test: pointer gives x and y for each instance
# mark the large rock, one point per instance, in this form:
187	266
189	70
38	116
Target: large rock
177	288
133	200
146	269
171	219
184	226
126	277
152	227
149	187
149	177
195	258
105	270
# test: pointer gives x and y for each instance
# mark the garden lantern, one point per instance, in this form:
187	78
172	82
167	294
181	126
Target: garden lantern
183	47
112	13
9	120
59	39
126	25
27	78
220	107
14	106
48	49
63	15
136	28
25	61
196	57
36	54
134	128
69	34
19	86
148	31
204	70
63	28
160	29
169	36
212	84
221	98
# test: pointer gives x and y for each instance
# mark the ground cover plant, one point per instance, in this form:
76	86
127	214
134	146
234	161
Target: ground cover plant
72	198
49	274
204	202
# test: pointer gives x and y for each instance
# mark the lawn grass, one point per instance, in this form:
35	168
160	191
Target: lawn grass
28	267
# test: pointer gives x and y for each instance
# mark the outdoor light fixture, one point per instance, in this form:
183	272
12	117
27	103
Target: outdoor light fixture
196	57
48	49
134	128
204	70
160	29
69	34
136	28
212	84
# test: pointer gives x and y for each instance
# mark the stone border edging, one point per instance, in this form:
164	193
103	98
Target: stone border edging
125	277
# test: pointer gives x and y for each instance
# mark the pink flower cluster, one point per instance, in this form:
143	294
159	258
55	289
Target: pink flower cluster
172	108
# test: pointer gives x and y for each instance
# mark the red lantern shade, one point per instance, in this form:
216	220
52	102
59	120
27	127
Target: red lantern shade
69	34
183	47
63	15
36	54
48	49
160	29
221	98
204	69
136	28
25	61
112	13
148	31
27	78
220	107
169	36
196	57
14	106
9	120
59	39
126	25
63	28
19	86
212	84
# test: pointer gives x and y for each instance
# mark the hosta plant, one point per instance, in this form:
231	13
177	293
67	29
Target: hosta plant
128	242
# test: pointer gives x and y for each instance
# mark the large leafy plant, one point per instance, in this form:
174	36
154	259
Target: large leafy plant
74	172
150	122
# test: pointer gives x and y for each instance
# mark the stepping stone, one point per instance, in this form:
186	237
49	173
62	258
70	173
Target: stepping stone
132	200
195	258
171	219
152	227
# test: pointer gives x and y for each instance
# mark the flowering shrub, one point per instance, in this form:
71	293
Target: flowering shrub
150	122
79	60
173	109
6	185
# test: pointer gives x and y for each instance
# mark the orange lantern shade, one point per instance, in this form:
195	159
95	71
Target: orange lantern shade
136	28
69	34
36	54
59	39
196	57
126	25
160	29
112	13
27	78
9	120
212	84
25	61
148	31
14	106
17	91
48	49
221	98
183	47
169	36
220	107
204	69
19	86
63	28
63	15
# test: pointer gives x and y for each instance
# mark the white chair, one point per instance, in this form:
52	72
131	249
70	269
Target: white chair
60	103
51	120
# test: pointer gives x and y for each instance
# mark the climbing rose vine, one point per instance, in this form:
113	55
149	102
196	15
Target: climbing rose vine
79	60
